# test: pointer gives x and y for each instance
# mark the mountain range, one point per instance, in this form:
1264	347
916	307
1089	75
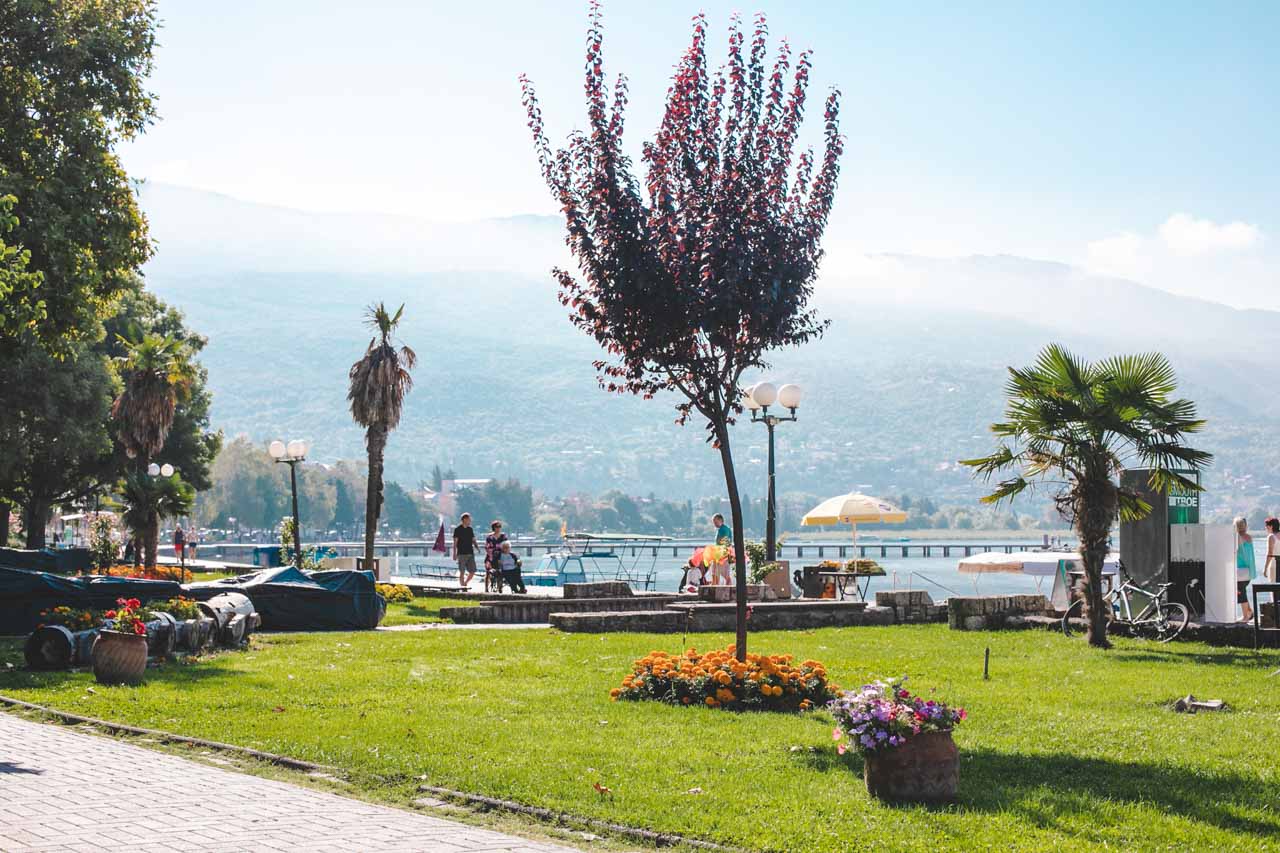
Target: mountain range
905	382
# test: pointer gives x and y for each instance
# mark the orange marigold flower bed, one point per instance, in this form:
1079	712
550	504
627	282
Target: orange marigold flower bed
719	680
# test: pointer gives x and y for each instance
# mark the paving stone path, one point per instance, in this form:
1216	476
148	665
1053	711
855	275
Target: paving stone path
63	790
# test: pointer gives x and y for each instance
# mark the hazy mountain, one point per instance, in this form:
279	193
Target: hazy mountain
905	382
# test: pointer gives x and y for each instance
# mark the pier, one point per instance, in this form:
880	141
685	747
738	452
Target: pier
243	552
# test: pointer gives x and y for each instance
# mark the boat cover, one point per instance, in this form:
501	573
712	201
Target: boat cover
65	560
24	593
291	600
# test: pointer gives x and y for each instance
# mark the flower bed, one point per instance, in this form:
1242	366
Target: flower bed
180	608
883	715
159	573
395	592
718	680
71	618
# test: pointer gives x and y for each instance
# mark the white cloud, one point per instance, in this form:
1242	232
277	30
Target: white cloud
1183	234
1125	255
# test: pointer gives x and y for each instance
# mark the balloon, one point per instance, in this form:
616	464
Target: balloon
696	559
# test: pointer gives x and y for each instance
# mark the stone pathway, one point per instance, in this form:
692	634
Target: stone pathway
63	790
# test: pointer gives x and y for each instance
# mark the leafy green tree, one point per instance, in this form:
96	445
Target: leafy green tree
191	444
55	446
145	500
379	382
402	511
20	295
1074	426
344	508
71	90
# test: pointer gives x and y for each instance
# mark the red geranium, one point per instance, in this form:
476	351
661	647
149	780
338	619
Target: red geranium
126	617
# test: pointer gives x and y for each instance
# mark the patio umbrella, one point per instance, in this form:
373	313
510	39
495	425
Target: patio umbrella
854	508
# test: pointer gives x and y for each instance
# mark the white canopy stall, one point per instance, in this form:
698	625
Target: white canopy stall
1038	565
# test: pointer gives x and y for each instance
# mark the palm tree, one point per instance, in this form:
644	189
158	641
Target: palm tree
1077	425
157	372
379	382
145	500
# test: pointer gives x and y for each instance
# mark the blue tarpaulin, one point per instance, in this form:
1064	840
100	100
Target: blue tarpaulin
290	600
24	593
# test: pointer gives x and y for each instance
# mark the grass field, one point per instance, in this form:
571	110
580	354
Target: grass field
424	609
1066	747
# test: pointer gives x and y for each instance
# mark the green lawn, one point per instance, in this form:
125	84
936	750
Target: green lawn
422	609
1066	747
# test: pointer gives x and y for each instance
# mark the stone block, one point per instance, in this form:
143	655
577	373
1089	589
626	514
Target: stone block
598	589
974	623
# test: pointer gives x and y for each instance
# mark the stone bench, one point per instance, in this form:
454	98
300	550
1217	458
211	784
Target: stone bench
986	612
911	605
530	610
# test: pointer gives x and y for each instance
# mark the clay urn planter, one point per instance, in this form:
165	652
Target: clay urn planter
925	769
119	658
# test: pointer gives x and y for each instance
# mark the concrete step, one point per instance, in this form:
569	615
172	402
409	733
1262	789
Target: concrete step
639	621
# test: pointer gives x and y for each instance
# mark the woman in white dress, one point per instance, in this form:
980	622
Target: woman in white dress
1271	568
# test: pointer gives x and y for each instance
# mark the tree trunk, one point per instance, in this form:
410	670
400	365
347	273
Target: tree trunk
152	540
376	441
34	517
1093	524
4	524
739	544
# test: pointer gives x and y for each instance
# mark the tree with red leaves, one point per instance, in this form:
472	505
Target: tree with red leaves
688	280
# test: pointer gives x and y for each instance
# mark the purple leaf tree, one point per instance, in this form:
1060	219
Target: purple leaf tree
691	275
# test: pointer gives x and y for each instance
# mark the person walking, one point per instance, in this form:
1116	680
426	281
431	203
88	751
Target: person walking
1271	568
1246	567
492	547
464	550
180	544
508	565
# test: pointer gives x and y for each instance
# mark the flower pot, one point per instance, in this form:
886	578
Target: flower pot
925	769
119	658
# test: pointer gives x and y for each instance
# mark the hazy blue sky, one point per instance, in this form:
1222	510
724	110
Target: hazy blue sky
1131	138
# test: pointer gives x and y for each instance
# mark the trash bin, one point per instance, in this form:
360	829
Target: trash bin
809	582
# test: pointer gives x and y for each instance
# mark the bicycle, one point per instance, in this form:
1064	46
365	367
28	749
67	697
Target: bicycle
1161	619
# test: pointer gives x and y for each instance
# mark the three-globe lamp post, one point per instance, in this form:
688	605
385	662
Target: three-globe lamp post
758	399
291	454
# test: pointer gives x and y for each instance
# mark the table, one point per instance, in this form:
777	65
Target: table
1272	589
843	580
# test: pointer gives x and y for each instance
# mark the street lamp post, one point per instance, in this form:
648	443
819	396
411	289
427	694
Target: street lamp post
759	398
166	470
291	454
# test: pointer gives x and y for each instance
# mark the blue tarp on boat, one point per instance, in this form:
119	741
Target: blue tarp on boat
291	600
24	593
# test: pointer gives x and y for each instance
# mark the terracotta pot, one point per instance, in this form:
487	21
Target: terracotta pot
119	658
925	769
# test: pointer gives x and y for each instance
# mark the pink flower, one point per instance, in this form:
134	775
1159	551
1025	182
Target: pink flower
836	734
841	748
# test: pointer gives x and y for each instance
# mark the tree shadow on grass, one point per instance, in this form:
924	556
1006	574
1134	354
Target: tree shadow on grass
1224	657
1061	792
1077	786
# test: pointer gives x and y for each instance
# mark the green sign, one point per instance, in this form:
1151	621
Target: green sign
1184	504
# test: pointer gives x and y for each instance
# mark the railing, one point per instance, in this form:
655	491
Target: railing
913	574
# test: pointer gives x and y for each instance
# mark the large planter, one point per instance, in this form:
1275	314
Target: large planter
925	769
119	658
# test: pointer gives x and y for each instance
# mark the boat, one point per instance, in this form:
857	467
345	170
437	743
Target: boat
587	557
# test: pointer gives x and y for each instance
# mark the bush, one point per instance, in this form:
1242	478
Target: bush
718	680
395	592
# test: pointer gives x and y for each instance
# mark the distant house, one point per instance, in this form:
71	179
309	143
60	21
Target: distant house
447	499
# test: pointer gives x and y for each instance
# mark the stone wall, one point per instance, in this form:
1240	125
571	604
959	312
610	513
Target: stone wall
987	612
911	605
598	589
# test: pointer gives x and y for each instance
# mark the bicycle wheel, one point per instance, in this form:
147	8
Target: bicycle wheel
1075	611
1171	619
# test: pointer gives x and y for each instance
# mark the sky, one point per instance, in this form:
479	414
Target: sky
1134	139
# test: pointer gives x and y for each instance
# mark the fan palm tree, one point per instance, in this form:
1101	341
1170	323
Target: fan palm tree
145	500
1076	425
379	382
157	372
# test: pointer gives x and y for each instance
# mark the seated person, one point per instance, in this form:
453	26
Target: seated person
694	577
508	565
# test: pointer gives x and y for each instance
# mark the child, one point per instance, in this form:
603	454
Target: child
695	575
509	566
